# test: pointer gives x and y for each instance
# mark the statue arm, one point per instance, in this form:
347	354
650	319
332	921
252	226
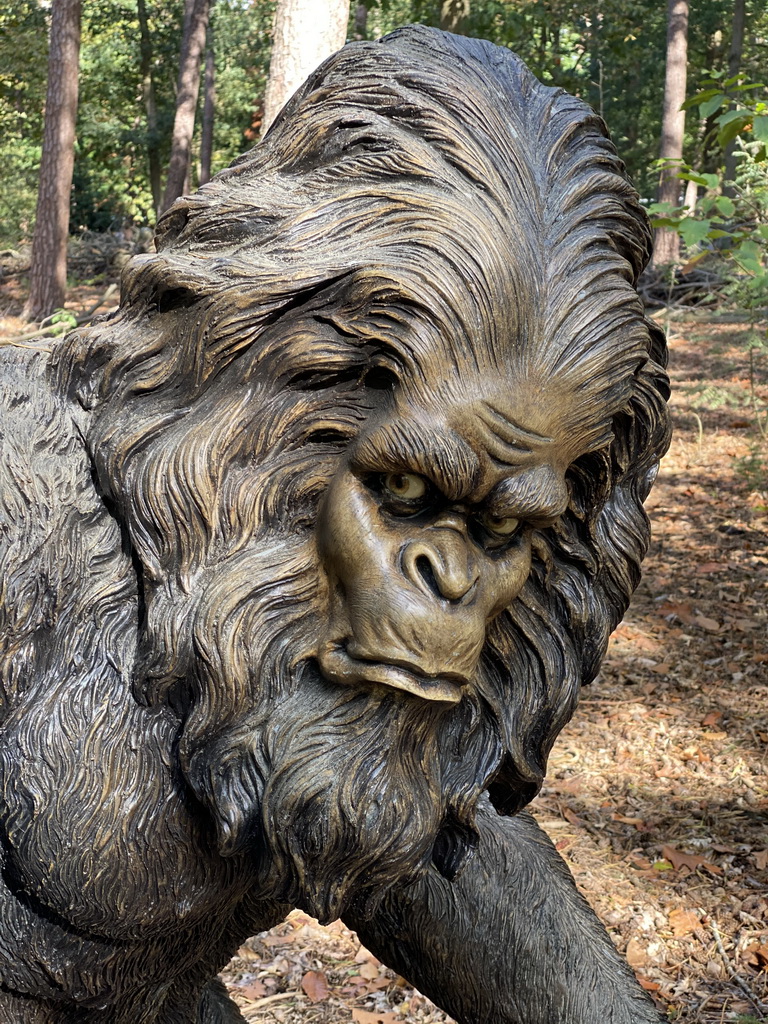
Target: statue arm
512	941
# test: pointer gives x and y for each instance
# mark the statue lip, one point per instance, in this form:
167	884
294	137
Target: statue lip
338	665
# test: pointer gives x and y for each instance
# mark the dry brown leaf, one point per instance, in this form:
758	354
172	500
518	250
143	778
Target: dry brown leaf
683	922
314	984
712	718
757	954
678	860
366	1017
253	990
636	954
760	857
571	816
369	971
364	955
647	984
711	625
639	822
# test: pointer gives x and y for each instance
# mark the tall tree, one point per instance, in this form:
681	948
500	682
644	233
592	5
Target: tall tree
192	46
306	32
149	96
48	274
209	111
667	242
734	66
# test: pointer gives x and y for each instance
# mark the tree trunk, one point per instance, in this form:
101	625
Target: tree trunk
306	32
209	108
192	45
667	243
150	105
48	274
734	66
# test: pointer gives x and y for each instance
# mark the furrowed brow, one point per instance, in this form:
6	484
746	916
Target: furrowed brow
444	458
536	493
506	440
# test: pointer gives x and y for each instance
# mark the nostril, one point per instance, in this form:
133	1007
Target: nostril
427	573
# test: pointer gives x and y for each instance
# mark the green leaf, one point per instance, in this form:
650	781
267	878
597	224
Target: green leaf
701	97
709	106
665	222
732	129
762	230
732	115
694	231
725	205
698	178
760	128
711	180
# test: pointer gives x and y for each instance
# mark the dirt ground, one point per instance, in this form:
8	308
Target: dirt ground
657	792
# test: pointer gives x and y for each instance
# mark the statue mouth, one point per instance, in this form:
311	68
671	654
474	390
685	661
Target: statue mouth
340	666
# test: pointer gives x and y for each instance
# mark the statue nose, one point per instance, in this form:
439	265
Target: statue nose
443	566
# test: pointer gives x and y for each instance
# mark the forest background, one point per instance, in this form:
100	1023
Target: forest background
612	53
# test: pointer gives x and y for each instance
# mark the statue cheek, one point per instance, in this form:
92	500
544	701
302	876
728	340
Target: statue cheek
506	575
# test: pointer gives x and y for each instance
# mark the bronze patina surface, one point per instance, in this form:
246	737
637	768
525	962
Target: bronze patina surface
306	552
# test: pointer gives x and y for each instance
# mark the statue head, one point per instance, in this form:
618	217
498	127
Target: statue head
380	414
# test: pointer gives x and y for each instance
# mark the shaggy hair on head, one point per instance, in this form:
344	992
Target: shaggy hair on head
424	217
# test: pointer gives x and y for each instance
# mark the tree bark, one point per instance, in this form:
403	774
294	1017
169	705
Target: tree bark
209	110
306	32
48	274
734	66
192	45
667	242
150	105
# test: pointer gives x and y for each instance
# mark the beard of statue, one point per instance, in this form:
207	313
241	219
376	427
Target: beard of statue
336	793
333	793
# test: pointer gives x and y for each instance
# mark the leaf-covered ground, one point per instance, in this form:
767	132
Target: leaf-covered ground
657	792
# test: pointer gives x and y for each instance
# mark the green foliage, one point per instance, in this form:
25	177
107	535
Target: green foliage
730	228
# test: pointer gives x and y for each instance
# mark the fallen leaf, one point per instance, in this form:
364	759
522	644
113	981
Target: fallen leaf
369	971
757	954
678	860
760	857
366	1017
711	625
364	955
683	922
628	821
712	718
707	567
647	984
253	990
636	955
571	816
315	986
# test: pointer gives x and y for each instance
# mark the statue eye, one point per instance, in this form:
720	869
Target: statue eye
405	486
501	526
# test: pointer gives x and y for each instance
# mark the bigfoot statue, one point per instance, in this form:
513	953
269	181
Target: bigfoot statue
307	551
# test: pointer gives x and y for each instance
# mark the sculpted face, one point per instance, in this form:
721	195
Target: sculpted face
425	537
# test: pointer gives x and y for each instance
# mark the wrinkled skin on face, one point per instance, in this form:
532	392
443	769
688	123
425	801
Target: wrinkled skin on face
422	552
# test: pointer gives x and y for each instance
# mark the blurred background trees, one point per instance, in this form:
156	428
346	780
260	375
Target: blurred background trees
132	86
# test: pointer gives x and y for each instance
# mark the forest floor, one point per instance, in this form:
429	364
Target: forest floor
657	792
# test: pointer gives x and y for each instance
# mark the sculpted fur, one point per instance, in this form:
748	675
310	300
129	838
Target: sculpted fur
307	551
